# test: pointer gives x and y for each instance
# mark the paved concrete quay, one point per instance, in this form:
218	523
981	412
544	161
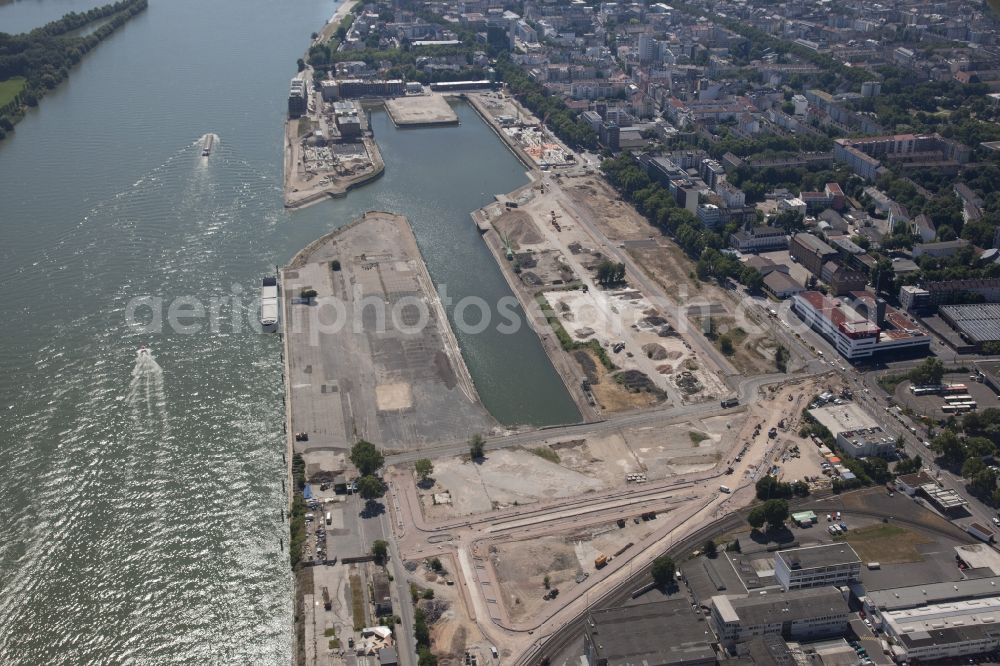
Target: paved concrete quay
395	383
421	111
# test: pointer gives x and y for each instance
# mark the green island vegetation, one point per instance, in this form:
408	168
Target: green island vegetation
35	62
297	525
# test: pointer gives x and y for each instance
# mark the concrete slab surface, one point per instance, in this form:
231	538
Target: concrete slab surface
372	355
421	110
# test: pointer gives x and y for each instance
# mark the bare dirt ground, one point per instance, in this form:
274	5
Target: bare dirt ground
610	395
626	317
522	566
668	265
428	109
453	632
753	352
662	260
504	478
615	218
573	467
794	458
518	226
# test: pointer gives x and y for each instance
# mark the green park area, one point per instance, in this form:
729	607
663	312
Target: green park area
10	89
886	544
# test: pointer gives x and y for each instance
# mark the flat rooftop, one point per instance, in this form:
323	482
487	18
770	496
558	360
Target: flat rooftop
945	498
843	313
980	556
898	598
813	557
843	418
663	632
773	607
944	623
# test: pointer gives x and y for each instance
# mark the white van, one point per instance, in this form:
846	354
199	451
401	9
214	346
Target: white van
329	518
493	651
724	489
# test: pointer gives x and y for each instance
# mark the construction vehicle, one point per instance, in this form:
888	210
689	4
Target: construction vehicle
600	561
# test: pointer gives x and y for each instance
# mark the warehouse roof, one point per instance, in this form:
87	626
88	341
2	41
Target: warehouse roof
663	632
977	323
813	244
762	609
898	598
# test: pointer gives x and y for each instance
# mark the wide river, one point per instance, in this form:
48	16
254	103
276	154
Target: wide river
140	500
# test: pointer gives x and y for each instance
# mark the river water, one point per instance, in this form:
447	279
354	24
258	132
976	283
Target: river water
141	497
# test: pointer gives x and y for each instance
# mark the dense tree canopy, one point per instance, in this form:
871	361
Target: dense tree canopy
366	457
663	570
44	55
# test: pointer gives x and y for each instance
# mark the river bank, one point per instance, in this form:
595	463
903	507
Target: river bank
328	30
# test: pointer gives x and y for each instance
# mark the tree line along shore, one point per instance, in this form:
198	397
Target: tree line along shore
32	63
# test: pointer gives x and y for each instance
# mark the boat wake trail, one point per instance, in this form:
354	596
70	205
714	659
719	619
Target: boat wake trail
146	396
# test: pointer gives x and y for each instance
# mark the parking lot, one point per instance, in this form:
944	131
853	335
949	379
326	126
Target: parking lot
930	405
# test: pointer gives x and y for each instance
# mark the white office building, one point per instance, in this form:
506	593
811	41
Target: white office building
880	329
817	566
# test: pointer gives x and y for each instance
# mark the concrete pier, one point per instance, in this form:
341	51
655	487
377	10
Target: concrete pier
421	111
398	380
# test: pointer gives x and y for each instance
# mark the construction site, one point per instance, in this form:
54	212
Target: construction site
426	109
329	149
625	344
486	545
566	515
356	373
532	141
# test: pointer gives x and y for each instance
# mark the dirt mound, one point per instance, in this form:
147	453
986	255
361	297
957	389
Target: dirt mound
433	608
665	369
636	381
518	227
654	351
